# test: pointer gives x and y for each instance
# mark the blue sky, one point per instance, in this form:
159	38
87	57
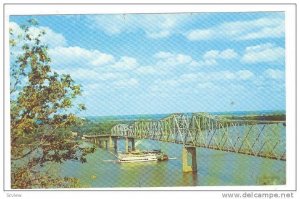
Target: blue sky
166	63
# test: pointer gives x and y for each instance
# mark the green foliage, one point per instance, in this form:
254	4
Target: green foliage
93	127
41	114
41	180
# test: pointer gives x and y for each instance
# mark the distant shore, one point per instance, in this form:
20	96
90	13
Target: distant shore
271	115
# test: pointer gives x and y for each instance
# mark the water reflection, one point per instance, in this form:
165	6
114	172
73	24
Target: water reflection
190	178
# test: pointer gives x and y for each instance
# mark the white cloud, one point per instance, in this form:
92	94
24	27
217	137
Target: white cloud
207	62
274	74
216	54
244	74
200	34
212	54
78	57
95	80
164	25
125	63
15	29
228	54
166	59
51	38
86	65
182	59
266	27
209	58
163	55
91	75
264	53
229	75
110	24
189	77
102	59
205	80
225	75
153	25
260	28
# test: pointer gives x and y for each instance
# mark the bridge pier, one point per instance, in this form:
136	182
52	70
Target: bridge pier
186	151
126	144
116	144
106	144
127	140
110	142
132	144
103	144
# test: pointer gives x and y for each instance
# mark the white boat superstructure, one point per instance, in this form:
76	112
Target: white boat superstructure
136	157
142	156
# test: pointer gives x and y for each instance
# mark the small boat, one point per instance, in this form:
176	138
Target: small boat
162	157
159	155
142	156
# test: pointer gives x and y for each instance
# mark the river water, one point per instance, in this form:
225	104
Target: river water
215	168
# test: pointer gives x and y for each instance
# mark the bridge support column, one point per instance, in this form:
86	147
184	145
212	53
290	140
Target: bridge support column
106	144
102	144
132	144
116	144
110	142
186	150
126	144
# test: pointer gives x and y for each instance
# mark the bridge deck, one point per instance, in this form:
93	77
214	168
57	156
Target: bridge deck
260	138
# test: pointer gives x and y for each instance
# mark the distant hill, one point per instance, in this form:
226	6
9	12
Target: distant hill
259	115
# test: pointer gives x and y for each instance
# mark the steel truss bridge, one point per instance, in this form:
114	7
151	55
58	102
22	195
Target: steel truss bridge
244	135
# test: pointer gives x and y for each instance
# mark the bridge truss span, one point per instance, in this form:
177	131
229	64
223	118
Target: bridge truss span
245	135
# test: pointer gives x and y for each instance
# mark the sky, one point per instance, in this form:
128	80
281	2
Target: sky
168	63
